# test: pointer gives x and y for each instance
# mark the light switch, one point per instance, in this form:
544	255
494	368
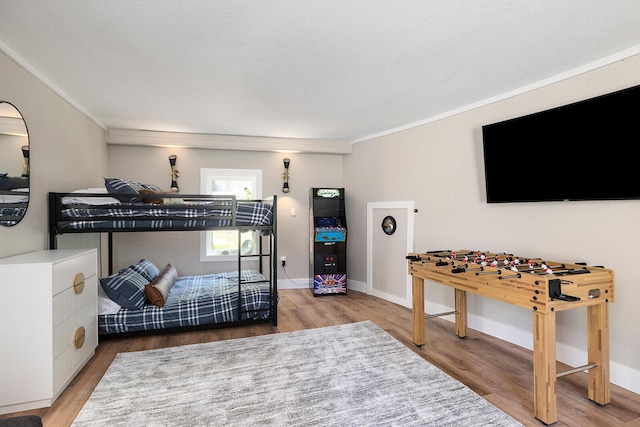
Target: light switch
293	211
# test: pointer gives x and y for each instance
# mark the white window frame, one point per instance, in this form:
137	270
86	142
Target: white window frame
207	177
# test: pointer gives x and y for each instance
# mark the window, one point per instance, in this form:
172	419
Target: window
245	184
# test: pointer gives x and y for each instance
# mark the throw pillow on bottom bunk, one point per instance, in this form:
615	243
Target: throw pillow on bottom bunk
126	288
158	290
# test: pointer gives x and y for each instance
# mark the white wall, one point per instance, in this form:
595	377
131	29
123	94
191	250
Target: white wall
151	165
67	151
439	166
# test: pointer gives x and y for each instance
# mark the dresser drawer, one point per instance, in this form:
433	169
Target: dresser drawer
72	359
64	334
65	273
69	301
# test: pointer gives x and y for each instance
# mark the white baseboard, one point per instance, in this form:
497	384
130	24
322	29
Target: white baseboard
356	286
302	283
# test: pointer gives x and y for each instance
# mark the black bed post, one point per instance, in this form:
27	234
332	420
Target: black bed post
239	269
53	213
110	252
274	261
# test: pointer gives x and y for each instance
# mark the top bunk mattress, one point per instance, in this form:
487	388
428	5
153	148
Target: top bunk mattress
97	211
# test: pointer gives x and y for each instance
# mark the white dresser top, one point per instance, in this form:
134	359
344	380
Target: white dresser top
44	256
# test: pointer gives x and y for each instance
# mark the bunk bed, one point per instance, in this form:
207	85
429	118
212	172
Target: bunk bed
155	299
13	205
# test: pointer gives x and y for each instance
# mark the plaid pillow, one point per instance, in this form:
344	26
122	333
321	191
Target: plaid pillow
126	288
122	186
152	187
146	269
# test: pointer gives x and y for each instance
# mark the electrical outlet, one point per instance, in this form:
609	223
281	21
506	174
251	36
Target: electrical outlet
283	260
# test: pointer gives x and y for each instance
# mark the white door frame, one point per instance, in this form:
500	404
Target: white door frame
409	206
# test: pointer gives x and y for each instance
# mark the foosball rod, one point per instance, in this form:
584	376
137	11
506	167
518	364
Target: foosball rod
481	273
487	254
475	261
528	268
576	370
453	255
567	271
429	316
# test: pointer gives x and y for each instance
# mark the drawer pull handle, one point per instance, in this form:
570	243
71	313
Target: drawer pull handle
78	340
78	283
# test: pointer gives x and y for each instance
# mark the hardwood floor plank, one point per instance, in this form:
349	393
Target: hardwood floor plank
497	370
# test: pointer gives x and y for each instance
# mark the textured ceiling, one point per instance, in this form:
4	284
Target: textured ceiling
327	69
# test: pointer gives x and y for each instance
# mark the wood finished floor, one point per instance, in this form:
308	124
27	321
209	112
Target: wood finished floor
499	371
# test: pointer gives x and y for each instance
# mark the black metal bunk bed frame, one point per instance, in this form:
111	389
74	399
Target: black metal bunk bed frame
56	219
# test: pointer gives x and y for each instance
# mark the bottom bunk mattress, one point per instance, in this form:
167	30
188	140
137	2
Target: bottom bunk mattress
197	300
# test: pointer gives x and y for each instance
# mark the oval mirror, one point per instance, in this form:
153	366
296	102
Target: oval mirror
14	165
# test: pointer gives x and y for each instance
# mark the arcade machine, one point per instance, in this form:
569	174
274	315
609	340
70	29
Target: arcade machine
328	253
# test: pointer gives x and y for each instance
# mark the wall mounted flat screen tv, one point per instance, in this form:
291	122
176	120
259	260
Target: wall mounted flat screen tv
581	151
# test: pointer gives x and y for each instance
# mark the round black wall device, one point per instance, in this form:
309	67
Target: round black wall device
389	225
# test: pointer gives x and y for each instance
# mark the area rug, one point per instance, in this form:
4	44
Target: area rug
347	375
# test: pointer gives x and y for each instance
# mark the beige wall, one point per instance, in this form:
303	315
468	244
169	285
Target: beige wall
67	151
150	165
439	166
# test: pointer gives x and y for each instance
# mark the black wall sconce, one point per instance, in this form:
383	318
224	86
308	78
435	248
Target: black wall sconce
25	166
174	173
285	176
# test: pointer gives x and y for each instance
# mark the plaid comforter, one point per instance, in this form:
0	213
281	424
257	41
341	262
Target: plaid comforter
197	300
11	215
142	215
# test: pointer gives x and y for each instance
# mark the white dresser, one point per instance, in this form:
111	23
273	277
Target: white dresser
48	324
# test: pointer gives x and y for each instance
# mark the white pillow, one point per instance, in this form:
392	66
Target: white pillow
105	304
91	200
18	198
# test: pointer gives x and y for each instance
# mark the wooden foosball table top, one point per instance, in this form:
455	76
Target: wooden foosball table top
532	283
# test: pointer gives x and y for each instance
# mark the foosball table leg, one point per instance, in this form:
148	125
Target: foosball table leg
598	343
461	313
417	298
544	367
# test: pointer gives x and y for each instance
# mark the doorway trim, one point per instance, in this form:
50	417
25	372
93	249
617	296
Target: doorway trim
371	227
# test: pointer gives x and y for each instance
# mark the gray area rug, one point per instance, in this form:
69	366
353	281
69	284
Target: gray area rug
347	375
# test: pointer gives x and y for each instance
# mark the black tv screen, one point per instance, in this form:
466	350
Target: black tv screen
581	151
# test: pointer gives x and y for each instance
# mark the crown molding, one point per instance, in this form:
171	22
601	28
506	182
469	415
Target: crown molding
149	138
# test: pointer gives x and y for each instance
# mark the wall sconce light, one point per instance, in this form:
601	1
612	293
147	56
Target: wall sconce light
174	173
25	166
285	176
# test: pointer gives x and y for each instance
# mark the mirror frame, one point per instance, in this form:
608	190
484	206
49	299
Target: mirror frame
13	202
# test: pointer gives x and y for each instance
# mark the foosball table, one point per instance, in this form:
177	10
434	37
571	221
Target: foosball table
544	287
